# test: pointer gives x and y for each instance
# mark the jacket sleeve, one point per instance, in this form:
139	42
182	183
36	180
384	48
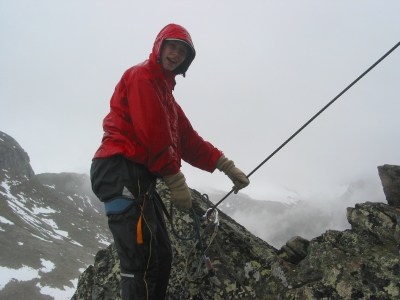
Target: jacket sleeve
195	150
152	128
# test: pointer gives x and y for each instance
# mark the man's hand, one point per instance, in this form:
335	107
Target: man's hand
238	178
180	193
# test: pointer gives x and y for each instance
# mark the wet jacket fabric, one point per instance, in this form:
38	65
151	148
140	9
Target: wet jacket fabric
145	123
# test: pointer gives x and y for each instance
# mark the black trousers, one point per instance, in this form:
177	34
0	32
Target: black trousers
144	249
139	230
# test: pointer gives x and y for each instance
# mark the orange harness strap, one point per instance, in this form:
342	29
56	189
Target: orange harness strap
139	230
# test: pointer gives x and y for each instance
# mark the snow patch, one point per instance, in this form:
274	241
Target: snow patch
24	273
5	185
48	266
61	232
51	223
76	243
65	293
50	186
5	221
40	238
102	239
43	210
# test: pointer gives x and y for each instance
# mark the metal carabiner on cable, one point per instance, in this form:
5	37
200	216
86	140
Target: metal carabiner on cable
212	216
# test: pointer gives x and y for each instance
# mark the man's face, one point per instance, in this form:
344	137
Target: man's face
173	54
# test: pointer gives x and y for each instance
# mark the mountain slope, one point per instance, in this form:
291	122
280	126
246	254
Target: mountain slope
51	226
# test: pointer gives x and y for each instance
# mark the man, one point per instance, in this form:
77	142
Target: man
146	135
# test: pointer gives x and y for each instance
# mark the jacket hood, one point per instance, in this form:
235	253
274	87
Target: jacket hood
174	32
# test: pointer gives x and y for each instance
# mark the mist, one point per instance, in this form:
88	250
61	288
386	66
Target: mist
307	216
262	69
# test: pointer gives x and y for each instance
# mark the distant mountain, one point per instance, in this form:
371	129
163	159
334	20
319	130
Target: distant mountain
51	227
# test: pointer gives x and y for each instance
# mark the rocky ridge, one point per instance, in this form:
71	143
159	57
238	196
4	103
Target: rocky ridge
359	263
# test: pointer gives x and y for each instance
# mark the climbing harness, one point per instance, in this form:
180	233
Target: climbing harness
310	120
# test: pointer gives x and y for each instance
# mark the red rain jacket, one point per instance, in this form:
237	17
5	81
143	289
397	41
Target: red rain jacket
146	125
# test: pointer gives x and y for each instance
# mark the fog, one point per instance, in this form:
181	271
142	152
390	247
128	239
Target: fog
305	216
262	69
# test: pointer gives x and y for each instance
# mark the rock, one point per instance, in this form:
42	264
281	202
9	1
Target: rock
92	286
390	178
346	265
376	219
294	250
13	158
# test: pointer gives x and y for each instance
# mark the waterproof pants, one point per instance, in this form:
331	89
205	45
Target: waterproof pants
144	249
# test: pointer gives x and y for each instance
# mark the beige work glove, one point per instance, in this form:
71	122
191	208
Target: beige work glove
180	193
238	178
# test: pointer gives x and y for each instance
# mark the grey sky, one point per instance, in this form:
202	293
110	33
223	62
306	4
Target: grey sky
263	68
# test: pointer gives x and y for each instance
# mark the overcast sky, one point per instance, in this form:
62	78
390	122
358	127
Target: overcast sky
262	69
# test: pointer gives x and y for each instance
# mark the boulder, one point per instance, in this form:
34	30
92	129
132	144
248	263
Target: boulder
390	178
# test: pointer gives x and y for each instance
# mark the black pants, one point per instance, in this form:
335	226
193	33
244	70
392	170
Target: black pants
139	230
144	250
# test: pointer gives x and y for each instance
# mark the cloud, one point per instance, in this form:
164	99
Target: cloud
262	70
